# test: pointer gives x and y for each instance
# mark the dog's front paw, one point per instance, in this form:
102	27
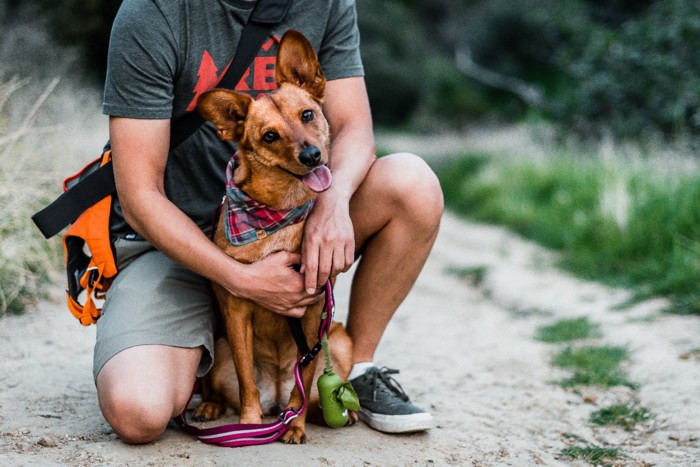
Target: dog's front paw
294	435
207	411
352	418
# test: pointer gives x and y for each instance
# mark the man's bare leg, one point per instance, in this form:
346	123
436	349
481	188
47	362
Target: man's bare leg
141	388
396	213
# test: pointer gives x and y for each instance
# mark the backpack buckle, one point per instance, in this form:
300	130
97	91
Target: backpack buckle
93	276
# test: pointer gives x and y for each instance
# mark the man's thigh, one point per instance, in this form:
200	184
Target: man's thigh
155	302
164	373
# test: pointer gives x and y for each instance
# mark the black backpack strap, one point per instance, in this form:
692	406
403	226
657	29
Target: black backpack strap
100	183
72	203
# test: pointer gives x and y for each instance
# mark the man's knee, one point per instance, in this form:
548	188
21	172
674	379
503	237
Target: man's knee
136	416
141	388
415	186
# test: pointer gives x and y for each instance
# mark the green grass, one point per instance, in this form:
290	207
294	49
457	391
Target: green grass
623	224
568	330
593	366
626	416
594	455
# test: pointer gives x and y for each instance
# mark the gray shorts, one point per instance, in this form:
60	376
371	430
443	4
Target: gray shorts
154	301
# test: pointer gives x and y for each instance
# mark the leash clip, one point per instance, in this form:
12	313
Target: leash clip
310	355
288	415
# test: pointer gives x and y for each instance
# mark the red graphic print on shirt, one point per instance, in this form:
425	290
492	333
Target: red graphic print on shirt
258	78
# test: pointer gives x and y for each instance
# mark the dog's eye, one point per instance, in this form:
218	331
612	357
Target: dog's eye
270	136
307	116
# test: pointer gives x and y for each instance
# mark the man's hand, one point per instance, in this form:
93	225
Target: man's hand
274	284
329	240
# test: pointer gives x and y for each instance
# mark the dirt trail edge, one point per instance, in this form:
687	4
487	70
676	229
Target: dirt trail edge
465	351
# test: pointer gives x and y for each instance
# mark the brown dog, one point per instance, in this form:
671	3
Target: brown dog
283	145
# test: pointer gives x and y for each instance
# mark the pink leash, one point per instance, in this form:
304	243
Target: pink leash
234	435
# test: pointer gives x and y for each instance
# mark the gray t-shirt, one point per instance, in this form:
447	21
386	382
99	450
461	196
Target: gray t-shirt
163	54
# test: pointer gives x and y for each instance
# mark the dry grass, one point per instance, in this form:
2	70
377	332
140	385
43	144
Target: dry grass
39	146
49	127
24	256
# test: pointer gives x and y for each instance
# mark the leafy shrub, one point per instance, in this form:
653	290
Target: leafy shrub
637	79
85	24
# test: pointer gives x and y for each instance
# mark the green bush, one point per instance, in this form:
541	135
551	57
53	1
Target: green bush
635	79
82	23
408	78
393	59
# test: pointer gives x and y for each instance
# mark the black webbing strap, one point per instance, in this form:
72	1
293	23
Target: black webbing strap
298	334
307	354
99	184
71	204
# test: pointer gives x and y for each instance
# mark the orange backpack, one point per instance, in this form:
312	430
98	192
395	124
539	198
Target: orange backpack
92	271
86	203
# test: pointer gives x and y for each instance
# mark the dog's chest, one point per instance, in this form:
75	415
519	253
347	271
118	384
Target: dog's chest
273	342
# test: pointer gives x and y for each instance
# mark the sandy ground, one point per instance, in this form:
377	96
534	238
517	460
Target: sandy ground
465	351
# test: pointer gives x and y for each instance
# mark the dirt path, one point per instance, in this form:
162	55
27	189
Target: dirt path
466	352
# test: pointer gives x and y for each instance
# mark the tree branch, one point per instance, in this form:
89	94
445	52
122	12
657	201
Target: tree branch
8	88
26	126
531	94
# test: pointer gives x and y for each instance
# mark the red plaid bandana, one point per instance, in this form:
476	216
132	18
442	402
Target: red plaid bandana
248	220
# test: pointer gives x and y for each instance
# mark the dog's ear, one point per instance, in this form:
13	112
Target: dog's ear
227	110
297	63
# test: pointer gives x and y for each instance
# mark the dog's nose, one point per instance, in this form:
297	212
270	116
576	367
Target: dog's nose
310	156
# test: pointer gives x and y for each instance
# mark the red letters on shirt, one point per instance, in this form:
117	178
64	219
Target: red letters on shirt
258	78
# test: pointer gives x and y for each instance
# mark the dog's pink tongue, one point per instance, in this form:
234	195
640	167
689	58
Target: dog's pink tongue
319	180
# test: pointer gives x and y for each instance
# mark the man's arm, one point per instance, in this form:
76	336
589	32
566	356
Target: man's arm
329	242
139	154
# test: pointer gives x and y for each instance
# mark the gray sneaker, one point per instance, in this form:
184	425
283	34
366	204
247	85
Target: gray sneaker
384	404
